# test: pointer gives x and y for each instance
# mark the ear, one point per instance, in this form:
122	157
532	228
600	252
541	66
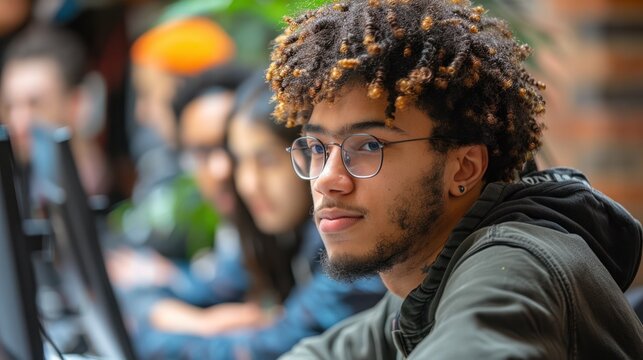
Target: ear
88	106
468	165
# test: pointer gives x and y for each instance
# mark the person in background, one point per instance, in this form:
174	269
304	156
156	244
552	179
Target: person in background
45	80
202	105
275	293
163	58
418	118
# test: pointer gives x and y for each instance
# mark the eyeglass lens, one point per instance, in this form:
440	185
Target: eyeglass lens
361	155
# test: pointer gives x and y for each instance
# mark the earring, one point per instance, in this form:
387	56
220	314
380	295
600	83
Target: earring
461	188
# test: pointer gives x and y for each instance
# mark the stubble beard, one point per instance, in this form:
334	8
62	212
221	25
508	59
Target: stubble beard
414	218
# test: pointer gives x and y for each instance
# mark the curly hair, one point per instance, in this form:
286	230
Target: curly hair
461	67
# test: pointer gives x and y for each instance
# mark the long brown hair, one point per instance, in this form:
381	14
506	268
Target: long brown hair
268	257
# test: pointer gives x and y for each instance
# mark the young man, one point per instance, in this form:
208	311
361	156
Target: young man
45	81
417	117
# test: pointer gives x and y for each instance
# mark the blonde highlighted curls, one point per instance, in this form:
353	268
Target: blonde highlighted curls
449	59
376	87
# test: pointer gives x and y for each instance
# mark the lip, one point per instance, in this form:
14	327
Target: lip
259	209
224	203
335	220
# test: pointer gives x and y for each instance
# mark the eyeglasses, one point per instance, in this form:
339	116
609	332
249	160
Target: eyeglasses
193	157
362	155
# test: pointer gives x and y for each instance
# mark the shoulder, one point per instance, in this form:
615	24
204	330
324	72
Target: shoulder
552	248
513	263
511	256
528	253
548	281
562	255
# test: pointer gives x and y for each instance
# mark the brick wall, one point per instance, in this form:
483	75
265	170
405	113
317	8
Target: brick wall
593	65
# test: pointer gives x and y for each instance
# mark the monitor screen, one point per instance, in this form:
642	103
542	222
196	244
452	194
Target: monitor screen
19	330
78	254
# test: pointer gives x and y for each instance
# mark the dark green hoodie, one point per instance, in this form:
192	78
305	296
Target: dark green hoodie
535	270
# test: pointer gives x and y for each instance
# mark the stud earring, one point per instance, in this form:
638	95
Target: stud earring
461	188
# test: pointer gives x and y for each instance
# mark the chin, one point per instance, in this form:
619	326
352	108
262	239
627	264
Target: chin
337	245
337	252
343	256
267	226
349	267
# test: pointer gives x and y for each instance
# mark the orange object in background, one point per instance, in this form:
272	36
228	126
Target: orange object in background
183	47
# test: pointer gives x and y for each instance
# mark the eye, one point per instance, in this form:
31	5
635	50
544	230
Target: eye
347	158
371	145
316	149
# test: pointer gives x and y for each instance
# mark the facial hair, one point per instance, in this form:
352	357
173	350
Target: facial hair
414	216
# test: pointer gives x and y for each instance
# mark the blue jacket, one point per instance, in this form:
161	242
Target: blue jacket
310	309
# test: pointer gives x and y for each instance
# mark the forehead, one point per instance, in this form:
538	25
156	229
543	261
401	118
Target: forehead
31	74
210	109
203	120
353	111
246	135
149	79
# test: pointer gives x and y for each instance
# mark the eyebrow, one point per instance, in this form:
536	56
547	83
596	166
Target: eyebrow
351	128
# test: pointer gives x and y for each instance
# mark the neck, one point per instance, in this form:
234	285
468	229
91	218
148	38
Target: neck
90	164
402	278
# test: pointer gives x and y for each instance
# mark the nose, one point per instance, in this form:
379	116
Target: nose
19	121
220	166
247	179
20	118
334	179
141	112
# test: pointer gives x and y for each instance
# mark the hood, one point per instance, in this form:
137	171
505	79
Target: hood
562	199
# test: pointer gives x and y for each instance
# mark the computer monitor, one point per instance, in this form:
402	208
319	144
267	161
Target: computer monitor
19	329
78	254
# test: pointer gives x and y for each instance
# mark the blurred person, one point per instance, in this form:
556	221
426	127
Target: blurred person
163	58
202	105
166	54
268	291
202	108
45	80
417	120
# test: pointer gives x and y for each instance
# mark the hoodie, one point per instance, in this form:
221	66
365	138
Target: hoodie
535	269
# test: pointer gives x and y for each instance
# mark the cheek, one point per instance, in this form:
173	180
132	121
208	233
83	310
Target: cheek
301	195
290	192
276	188
220	167
378	196
54	115
317	197
203	180
210	178
246	183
